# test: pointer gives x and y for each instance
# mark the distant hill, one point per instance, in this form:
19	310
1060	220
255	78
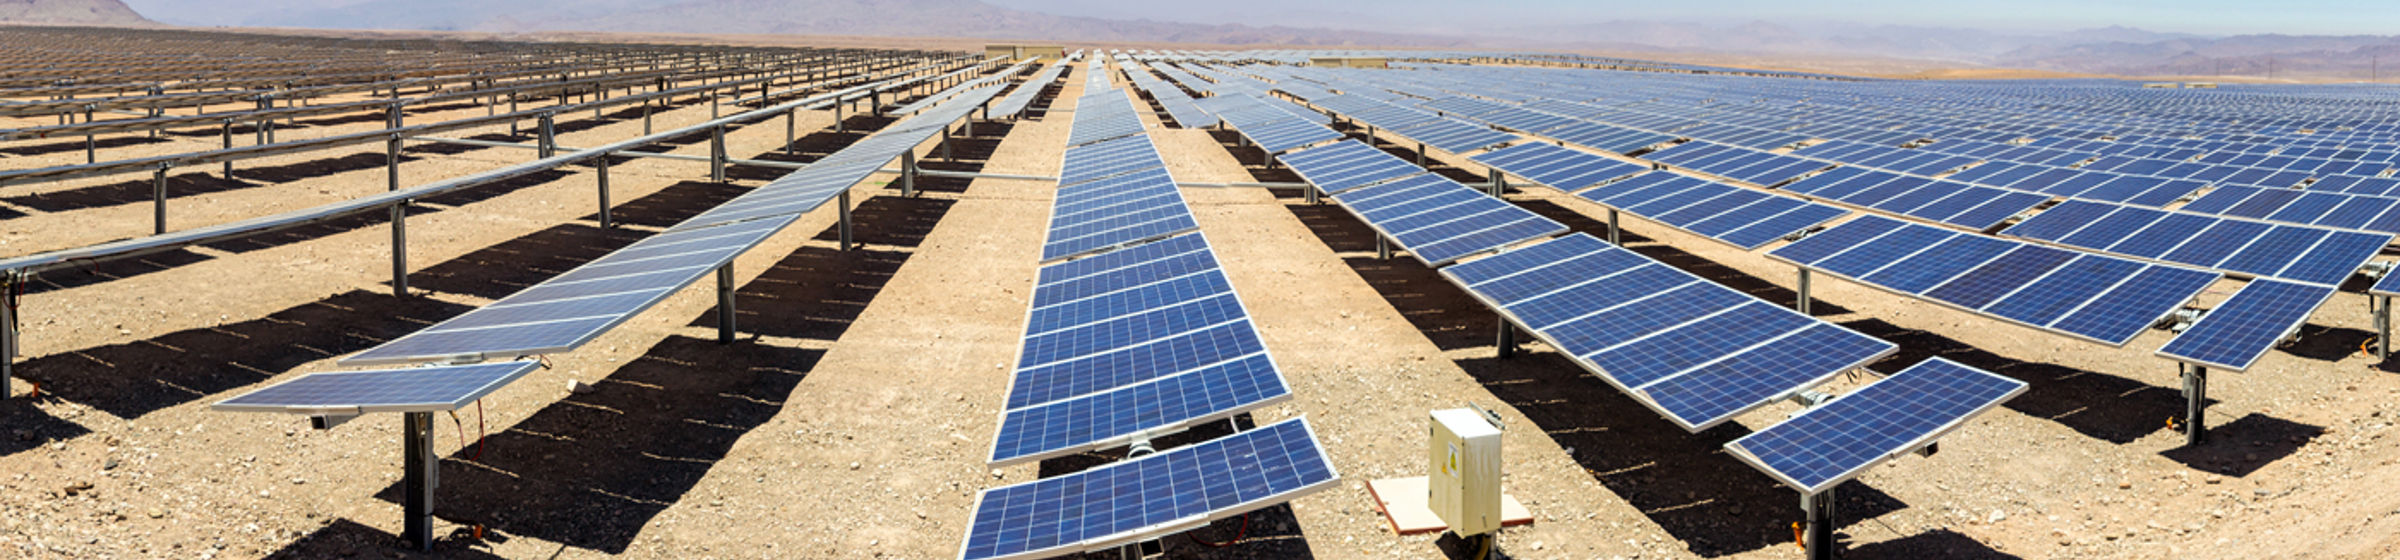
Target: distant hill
80	12
888	18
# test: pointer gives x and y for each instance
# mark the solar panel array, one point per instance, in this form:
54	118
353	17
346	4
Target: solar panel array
1339	167
2234	334
1272	125
1737	216
2093	297
1133	339
1438	220
1735	162
1834	442
1026	92
1178	104
1696	351
1555	167
571	309
2377	213
2316	255
350	393
1442	133
1934	200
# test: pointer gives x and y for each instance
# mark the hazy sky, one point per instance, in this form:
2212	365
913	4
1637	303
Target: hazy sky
2215	17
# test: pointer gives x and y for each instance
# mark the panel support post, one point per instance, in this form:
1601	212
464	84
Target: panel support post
725	304
1420	154
844	204
908	173
229	146
8	332
391	163
2383	327
1508	339
400	249
1614	231
2195	391
716	154
946	154
158	200
790	130
1819	537
646	104
838	127
605	222
1383	248
420	474
548	143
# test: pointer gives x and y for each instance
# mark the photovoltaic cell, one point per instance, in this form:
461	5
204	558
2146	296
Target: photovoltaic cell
426	389
2234	334
1835	441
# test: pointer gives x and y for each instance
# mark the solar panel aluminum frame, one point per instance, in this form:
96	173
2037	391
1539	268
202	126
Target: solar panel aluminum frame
1638	396
1914	445
1179	525
1995	301
520	370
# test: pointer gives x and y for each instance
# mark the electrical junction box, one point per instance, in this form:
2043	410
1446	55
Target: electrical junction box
1463	485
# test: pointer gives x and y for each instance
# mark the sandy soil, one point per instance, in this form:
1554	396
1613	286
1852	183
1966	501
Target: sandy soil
851	418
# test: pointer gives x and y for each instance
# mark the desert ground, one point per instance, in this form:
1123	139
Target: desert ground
851	418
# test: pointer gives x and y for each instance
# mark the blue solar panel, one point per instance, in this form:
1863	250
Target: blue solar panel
1100	420
1834	442
1840	238
2060	221
1118	231
2116	316
1346	165
1100	264
1158	294
1128	500
1669	353
1110	369
2067	288
1781	225
2334	259
2234	334
1096	338
1999	277
1715	392
1938	264
1556	167
1871	256
424	389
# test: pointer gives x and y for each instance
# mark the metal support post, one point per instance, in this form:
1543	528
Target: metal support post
421	472
547	144
2383	327
512	109
8	331
716	154
713	102
1499	183
725	304
838	127
790	129
158	200
844	205
2195	390
1420	154
946	154
605	223
1819	537
1614	230
1383	248
1508	339
400	249
646	104
391	163
1309	194
908	173
1804	303
229	146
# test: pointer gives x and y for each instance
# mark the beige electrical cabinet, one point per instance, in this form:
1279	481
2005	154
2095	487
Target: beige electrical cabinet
1464	482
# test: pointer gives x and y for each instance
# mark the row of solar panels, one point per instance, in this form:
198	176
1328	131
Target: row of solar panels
1026	93
571	309
1273	125
1139	335
1178	104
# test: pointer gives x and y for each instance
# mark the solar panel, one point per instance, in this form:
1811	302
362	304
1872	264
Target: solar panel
1555	167
1835	441
1697	352
2237	332
1438	220
1742	217
1208	393
424	389
1346	165
2302	253
1157	494
2098	298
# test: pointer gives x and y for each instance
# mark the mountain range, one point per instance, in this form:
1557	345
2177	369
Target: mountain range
2112	50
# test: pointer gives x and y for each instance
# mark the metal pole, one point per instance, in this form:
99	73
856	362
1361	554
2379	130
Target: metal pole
1420	154
844	204
1499	183
1804	292
716	154
2383	328
8	331
420	474
400	249
946	144
790	126
646	116
604	218
838	127
1508	339
908	173
1383	248
158	200
725	304
547	142
391	163
1819	539
1613	229
2195	390
229	146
